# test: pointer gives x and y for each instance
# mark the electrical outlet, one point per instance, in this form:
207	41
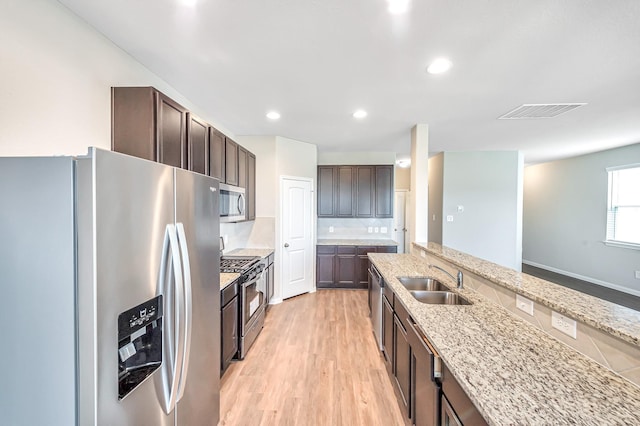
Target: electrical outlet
524	304
434	217
383	229
638	275
370	229
449	218
564	324
376	229
331	229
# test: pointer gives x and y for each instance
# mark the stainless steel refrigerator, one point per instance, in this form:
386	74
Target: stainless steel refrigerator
110	295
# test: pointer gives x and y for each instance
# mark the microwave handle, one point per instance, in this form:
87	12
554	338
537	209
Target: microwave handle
241	203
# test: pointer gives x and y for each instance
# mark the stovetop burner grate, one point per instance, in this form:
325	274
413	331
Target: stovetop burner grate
237	263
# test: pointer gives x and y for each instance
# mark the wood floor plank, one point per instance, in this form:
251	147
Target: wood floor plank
315	363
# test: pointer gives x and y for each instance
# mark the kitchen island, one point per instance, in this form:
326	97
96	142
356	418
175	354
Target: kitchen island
513	372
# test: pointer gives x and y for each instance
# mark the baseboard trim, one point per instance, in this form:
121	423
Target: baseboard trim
275	301
584	278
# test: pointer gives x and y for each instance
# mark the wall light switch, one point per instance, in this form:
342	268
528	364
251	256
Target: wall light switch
376	229
331	229
638	275
370	229
460	209
449	218
524	304
383	229
564	324
434	217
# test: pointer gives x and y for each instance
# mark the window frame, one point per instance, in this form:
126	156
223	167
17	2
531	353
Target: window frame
608	241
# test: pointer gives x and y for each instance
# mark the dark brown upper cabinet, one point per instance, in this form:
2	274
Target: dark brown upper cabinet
384	191
251	186
197	144
365	191
217	156
355	191
345	206
242	167
231	162
327	180
147	124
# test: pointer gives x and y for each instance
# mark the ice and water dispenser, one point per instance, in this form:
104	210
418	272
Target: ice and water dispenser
139	344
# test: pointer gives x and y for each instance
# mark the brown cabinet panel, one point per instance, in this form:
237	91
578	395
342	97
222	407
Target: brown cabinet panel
387	334
365	191
171	132
345	206
228	326
327	181
465	411
362	266
345	270
197	144
387	249
402	363
251	186
217	157
242	167
325	265
384	191
231	162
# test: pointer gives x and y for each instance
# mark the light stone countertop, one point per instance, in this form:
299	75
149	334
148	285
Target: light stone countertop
513	372
262	252
227	278
616	320
355	242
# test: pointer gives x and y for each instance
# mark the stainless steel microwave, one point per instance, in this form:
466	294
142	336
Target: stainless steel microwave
232	203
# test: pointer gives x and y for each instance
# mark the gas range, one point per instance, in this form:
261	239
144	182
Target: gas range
238	264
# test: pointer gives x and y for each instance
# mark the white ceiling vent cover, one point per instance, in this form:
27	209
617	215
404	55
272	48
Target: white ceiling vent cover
529	111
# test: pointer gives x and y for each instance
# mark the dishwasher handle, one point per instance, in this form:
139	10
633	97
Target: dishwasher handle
375	275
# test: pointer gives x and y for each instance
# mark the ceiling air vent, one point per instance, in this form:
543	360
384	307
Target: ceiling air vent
528	111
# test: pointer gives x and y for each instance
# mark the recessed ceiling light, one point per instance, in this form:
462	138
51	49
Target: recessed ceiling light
398	7
439	66
273	115
404	163
360	114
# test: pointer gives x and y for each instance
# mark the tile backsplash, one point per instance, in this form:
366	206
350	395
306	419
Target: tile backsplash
355	228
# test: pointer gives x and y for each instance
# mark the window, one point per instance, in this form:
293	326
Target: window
623	215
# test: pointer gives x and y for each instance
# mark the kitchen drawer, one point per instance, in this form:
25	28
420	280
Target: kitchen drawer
402	314
387	249
325	249
346	249
363	250
228	293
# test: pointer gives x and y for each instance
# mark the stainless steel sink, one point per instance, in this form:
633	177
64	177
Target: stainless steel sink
422	283
439	297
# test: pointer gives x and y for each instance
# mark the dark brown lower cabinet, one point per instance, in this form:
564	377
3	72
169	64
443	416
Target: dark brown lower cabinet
402	358
228	325
270	279
457	408
349	267
424	400
387	333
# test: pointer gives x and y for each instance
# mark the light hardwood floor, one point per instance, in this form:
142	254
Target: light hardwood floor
315	363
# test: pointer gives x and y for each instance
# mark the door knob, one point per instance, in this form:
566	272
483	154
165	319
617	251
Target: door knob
286	244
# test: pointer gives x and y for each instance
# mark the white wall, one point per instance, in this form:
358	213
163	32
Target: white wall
488	185
565	213
418	212
356	158
56	78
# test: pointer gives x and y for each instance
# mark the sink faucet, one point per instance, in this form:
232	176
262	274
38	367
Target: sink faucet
458	280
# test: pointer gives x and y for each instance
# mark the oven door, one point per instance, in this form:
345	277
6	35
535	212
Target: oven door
232	203
253	292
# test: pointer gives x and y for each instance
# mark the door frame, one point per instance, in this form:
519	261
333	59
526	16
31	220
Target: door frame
407	192
279	259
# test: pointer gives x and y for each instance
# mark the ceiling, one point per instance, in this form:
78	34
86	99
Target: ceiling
317	61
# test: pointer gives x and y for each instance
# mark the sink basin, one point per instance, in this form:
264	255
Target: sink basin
439	297
422	283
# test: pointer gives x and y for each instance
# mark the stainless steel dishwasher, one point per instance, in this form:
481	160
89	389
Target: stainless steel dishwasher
376	303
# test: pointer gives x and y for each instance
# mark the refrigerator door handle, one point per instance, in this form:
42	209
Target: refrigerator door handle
172	290
187	311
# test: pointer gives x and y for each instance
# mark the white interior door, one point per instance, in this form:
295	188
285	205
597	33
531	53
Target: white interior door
297	237
400	220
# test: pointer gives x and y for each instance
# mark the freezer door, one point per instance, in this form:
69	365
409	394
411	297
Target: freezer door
124	205
197	223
